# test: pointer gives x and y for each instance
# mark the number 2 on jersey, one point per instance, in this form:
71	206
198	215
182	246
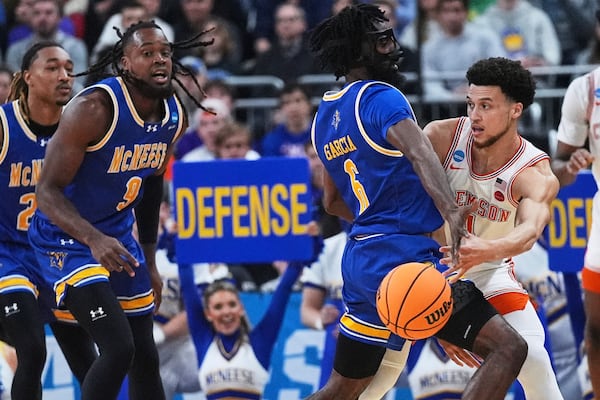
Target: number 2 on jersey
357	187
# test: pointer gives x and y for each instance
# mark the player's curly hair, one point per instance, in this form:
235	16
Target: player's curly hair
113	58
514	80
337	41
18	87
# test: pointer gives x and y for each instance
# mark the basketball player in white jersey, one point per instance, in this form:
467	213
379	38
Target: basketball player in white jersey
580	124
512	185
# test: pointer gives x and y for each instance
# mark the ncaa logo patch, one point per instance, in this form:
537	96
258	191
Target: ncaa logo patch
174	117
458	156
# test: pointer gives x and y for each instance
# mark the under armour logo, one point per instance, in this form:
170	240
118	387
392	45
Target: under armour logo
97	314
64	242
43	142
151	128
10	310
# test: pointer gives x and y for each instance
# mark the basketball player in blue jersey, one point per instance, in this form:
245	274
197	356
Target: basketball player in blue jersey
103	166
382	174
38	93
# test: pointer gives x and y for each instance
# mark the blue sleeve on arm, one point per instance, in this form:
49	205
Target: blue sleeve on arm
382	106
263	336
200	329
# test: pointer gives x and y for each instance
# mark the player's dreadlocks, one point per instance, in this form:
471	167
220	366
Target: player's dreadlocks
113	58
18	87
338	41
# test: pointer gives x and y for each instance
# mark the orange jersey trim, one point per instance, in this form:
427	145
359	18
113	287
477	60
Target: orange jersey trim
590	280
509	302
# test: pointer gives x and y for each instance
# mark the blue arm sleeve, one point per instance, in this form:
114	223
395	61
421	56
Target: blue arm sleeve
263	336
383	106
200	329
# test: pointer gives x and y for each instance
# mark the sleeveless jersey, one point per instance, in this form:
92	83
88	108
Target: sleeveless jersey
496	207
21	155
108	184
375	180
239	375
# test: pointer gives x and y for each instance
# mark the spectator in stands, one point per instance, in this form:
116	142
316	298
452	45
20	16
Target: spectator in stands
423	27
265	31
196	68
6	75
132	11
198	144
219	89
45	19
223	57
591	54
527	32
22	28
289	136
288	58
574	25
454	50
234	142
98	12
196	15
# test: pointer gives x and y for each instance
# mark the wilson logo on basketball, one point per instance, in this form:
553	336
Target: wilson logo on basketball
435	316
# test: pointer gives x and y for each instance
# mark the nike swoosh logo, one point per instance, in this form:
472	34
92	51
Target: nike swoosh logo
452	166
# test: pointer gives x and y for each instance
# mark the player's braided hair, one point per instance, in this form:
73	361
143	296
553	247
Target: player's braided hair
515	81
18	87
113	58
337	41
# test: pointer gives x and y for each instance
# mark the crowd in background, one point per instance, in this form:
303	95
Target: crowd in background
440	38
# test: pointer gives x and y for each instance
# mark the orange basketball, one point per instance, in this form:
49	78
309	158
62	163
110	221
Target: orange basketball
414	300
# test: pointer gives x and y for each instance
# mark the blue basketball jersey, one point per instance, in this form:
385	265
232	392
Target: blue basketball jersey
375	180
21	155
108	184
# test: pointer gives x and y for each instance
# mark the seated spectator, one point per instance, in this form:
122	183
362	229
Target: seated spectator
197	72
591	54
526	32
45	19
223	57
6	75
198	144
288	137
132	11
22	28
289	57
234	142
219	89
422	28
454	50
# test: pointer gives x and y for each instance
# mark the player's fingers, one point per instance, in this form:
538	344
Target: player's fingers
446	261
445	249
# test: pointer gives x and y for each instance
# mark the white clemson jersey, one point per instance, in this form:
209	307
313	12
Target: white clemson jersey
495	213
580	116
237	375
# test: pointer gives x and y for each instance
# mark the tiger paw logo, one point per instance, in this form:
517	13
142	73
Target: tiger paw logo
57	259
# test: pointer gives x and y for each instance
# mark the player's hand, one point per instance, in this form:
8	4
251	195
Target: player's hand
457	223
580	159
113	256
473	251
157	286
459	355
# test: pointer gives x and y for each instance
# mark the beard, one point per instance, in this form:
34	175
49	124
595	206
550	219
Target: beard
385	68
489	142
149	90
